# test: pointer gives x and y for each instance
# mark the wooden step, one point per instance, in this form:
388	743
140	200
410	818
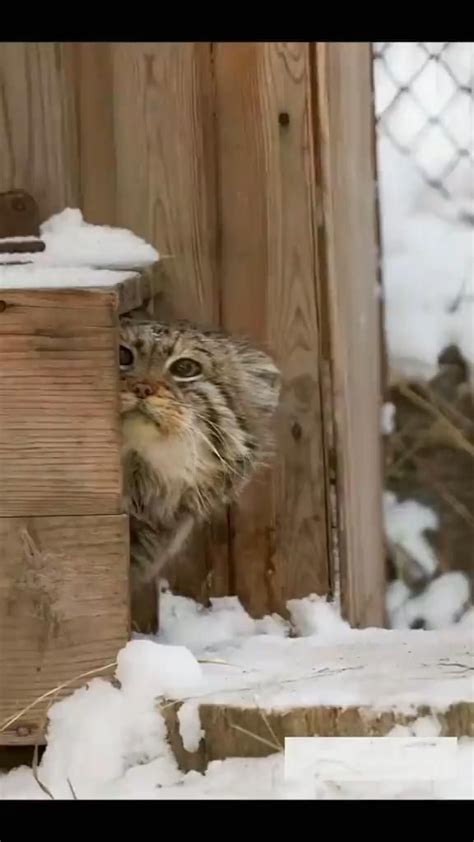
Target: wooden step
359	688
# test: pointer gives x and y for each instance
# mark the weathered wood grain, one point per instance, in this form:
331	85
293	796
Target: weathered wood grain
347	235
59	415
64	608
245	732
38	124
166	192
93	91
267	271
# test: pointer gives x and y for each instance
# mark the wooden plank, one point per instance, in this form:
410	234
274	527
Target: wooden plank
63	608
343	115
267	270
38	124
245	732
59	413
127	291
94	96
166	193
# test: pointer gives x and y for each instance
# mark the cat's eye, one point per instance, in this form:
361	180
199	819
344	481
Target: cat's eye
185	369
125	357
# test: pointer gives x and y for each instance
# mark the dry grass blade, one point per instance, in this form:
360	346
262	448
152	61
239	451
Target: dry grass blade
268	725
73	793
40	783
12	719
449	498
274	746
456	435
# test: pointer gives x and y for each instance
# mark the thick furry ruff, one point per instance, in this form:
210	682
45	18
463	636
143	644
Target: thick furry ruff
190	444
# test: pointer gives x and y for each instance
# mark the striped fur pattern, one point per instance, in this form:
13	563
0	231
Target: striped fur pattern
197	408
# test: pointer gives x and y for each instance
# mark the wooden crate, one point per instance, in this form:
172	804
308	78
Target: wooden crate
64	544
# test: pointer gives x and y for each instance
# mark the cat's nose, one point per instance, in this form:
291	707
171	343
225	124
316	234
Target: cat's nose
142	390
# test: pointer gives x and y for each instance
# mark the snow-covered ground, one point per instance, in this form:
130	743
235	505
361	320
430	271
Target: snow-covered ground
109	742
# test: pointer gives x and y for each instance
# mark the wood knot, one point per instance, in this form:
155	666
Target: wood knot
23	731
3	306
284	118
18	204
296	431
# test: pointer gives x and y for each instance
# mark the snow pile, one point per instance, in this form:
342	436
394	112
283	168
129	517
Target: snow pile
109	742
72	242
428	271
405	525
389	411
314	615
27	277
183	621
440	605
424	107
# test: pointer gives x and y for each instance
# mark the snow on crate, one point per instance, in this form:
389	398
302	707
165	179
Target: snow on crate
70	241
58	277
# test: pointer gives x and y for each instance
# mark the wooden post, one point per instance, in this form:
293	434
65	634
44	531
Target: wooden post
348	278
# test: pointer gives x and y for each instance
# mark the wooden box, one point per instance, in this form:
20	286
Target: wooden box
64	559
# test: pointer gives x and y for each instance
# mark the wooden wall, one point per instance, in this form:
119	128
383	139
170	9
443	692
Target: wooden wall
222	156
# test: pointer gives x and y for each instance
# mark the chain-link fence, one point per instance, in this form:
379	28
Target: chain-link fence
424	103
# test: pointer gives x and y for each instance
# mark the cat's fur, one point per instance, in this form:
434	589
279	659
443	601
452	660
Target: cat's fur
189	446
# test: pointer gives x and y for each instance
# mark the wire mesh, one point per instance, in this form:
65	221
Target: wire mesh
424	104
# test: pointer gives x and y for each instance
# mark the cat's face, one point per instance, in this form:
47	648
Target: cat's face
195	402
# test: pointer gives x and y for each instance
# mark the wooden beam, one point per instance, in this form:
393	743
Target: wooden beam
348	277
246	732
279	535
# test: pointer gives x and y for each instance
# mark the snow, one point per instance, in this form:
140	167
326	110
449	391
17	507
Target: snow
427	239
313	615
185	622
388	418
424	110
190	725
40	277
164	671
73	242
405	523
108	741
428	271
438	606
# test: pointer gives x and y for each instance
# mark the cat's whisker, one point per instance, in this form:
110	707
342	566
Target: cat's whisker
228	434
221	458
